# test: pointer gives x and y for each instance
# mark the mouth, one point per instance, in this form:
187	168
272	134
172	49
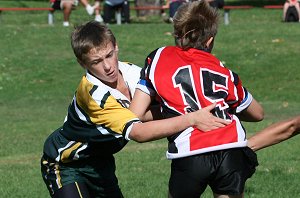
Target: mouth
110	74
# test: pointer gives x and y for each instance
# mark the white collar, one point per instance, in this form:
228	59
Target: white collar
117	94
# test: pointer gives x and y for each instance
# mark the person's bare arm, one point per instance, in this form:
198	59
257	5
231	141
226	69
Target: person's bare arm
141	106
275	133
153	130
253	113
142	132
167	5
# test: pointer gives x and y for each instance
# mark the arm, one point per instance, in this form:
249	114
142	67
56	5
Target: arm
140	106
275	133
154	130
142	132
152	113
253	113
167	5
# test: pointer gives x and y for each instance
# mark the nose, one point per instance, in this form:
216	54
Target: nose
106	65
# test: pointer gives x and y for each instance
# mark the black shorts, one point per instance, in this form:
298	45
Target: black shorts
224	171
90	178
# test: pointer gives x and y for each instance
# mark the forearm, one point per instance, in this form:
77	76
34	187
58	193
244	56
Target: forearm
167	4
154	130
275	133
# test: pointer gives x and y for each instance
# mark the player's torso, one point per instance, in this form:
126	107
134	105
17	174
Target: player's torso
190	80
96	117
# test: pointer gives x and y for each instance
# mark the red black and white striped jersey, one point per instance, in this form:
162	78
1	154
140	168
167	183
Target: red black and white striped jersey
185	81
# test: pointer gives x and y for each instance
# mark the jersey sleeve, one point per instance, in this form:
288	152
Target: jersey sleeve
97	106
244	98
145	83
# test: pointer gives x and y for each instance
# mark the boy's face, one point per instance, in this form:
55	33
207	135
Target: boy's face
103	63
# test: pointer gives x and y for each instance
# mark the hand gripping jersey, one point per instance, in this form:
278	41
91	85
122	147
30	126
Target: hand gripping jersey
185	81
98	120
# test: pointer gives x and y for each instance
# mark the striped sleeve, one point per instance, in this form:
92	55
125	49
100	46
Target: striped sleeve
145	83
102	108
244	98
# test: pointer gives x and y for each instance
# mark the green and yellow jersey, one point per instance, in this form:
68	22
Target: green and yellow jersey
98	121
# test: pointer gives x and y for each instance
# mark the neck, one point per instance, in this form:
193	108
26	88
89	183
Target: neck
122	87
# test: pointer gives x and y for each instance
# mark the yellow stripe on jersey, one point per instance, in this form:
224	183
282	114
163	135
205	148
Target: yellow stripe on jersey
78	189
106	111
65	156
58	178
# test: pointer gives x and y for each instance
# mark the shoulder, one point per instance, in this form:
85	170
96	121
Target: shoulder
128	67
130	72
156	52
160	49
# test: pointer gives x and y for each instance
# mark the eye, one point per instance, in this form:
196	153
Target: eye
109	55
95	62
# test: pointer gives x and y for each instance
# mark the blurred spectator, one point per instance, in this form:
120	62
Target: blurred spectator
111	6
68	5
291	11
91	9
216	3
172	5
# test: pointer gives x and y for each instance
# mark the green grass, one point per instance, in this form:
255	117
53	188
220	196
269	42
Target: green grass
39	74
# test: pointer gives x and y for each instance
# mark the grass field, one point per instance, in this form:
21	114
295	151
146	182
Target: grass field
39	74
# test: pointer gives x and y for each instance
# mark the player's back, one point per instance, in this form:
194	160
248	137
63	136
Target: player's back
192	79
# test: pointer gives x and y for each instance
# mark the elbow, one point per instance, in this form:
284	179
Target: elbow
256	117
253	113
139	140
260	113
260	116
141	133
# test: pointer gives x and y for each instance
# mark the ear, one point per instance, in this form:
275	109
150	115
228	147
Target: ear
209	42
116	47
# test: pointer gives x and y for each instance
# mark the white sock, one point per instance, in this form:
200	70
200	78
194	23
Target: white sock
98	18
66	24
90	9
